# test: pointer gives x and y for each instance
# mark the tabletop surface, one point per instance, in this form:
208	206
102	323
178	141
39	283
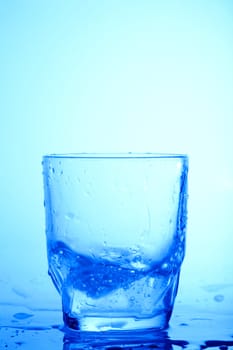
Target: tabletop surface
24	329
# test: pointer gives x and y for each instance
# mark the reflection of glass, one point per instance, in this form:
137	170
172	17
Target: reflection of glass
111	341
115	226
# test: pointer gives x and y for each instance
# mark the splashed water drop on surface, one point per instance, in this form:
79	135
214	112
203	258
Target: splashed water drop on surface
22	315
219	298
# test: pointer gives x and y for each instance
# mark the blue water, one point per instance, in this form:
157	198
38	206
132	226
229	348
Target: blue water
117	286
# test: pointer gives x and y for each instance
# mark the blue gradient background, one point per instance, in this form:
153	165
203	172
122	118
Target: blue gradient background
117	76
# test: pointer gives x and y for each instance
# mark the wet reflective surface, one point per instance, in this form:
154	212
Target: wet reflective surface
24	329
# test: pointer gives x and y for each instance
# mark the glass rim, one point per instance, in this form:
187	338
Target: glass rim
121	155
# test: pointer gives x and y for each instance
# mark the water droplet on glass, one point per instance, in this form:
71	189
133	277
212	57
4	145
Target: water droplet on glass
165	266
134	249
87	193
69	216
61	252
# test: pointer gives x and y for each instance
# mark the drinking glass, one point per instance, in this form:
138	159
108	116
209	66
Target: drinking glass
115	228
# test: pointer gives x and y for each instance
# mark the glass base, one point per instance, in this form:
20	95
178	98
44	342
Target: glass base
103	324
116	333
